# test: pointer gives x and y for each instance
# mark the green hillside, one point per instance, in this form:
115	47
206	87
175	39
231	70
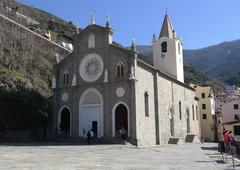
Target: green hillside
26	68
220	61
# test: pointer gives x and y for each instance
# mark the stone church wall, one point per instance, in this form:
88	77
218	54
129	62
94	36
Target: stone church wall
146	134
169	94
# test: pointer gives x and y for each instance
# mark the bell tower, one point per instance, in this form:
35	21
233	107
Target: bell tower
167	51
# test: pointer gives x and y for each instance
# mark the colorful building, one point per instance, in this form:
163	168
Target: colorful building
206	106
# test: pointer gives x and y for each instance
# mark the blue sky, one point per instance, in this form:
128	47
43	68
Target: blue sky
200	22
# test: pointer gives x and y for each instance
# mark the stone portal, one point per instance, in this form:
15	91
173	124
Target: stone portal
90	113
64	122
121	118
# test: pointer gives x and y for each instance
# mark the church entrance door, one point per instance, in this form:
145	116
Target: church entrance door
91	113
90	119
65	122
121	118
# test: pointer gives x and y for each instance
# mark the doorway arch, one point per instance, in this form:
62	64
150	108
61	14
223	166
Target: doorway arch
91	113
64	121
120	117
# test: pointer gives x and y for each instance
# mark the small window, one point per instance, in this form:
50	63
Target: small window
146	104
203	95
204	116
180	110
237	117
164	47
120	70
91	41
193	114
235	106
236	130
65	78
204	106
196	113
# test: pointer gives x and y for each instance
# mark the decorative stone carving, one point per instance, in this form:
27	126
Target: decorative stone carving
105	76
132	73
120	92
91	67
57	58
65	97
171	111
54	84
74	80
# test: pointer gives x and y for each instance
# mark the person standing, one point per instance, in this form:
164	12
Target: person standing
122	132
92	133
88	137
226	140
232	143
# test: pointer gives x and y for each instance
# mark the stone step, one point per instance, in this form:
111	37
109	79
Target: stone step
175	140
82	140
192	138
189	138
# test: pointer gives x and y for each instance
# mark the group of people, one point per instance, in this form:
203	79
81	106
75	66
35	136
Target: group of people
90	134
229	141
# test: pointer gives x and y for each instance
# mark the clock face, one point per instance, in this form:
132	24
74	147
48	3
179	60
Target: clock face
91	67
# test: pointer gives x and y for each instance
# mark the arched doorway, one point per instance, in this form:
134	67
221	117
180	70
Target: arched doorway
188	121
64	122
91	113
120	119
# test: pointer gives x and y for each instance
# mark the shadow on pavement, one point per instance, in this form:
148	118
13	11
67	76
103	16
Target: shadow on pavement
215	148
220	161
55	143
204	161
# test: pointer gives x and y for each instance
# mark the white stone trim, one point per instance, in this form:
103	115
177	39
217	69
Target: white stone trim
113	117
81	106
59	117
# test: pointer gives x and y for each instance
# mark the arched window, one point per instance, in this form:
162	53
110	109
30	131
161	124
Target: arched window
164	47
120	70
146	104
65	78
91	41
180	110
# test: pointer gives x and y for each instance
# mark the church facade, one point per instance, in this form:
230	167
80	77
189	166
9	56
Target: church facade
104	87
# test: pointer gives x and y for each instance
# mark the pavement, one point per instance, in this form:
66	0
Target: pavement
112	157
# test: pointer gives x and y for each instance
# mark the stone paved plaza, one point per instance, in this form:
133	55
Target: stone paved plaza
111	157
